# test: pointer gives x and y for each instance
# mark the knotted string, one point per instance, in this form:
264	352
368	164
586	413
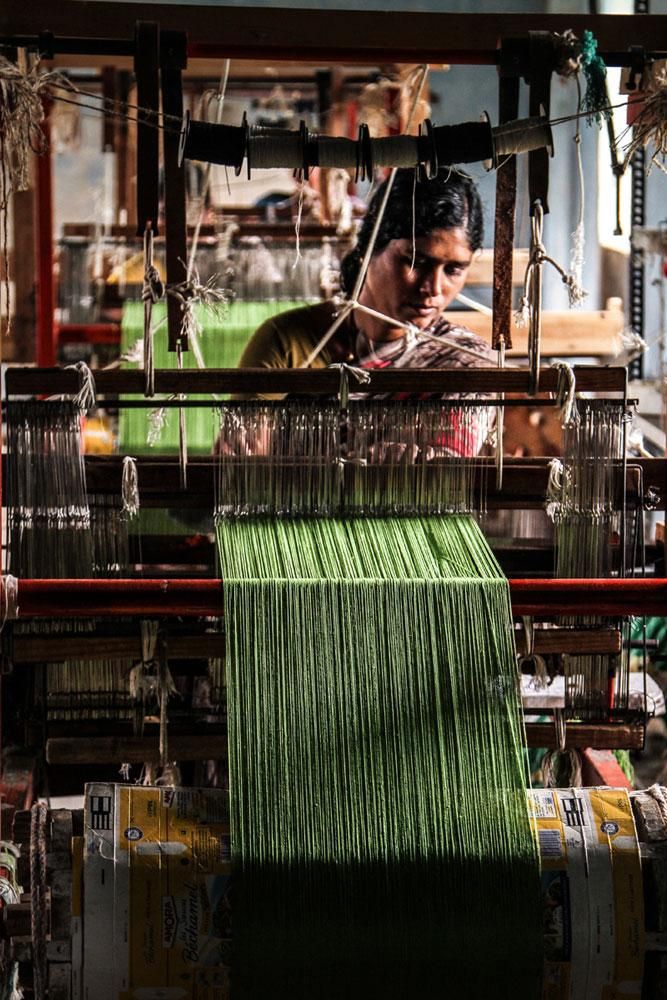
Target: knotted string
359	374
152	291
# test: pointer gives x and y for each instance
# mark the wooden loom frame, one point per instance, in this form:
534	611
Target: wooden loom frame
283	34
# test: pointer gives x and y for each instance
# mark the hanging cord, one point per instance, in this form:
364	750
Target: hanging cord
532	660
530	305
220	97
38	901
566	391
151	292
650	125
22	95
166	688
182	429
130	487
562	768
359	374
86	397
500	419
10	594
189	294
352	302
578	236
554	495
142	674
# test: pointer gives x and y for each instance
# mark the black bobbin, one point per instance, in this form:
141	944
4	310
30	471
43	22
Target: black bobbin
427	152
209	142
364	170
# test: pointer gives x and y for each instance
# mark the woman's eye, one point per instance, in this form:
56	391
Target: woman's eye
454	270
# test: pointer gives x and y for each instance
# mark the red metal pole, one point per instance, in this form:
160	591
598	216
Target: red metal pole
107	598
46	344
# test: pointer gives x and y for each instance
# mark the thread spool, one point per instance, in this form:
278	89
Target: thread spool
273	147
395	151
522	136
335	152
212	143
471	142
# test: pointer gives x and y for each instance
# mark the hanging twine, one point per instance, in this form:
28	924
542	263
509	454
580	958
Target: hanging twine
191	292
130	487
566	392
86	397
152	291
22	96
421	74
562	768
578	236
359	374
650	125
156	423
10	593
531	659
38	894
538	256
554	489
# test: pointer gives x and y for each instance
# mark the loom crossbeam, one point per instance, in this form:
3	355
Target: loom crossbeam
48	381
186	598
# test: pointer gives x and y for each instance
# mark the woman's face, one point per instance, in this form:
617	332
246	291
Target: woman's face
418	292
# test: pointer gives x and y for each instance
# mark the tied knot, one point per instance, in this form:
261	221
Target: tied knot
153	287
359	374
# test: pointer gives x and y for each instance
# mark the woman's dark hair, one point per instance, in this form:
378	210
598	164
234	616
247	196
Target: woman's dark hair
449	201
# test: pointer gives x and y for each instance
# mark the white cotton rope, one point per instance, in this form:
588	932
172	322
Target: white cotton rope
130	487
86	396
10	596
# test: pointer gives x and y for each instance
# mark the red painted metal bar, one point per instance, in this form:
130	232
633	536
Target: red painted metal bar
46	344
600	767
109	598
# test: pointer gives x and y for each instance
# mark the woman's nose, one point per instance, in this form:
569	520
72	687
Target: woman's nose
432	281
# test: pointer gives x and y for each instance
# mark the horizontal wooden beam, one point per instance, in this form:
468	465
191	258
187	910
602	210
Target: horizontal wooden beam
605	641
72	750
324	381
579	735
203	598
135	749
524	481
343	36
25	649
571	333
57	648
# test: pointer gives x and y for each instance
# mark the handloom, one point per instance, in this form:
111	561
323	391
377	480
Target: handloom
375	734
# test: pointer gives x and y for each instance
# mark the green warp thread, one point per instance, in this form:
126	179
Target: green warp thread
378	807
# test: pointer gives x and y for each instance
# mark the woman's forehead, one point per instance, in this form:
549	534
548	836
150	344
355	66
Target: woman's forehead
444	244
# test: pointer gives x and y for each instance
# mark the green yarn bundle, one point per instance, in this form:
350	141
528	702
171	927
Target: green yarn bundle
378	808
595	102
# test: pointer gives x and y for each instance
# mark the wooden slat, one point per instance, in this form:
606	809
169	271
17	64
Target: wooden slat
599	736
211	746
56	649
135	749
52	381
288	33
575	640
524	481
568	334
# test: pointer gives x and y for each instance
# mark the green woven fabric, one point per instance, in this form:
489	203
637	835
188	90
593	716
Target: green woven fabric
378	806
222	340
